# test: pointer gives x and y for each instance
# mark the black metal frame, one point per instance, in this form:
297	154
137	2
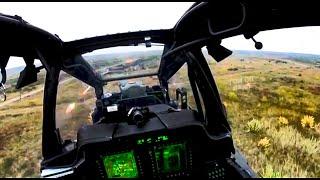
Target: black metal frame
200	75
130	77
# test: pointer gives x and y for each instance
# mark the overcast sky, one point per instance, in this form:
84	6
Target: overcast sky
79	20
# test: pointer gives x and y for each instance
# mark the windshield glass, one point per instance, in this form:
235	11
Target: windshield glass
117	62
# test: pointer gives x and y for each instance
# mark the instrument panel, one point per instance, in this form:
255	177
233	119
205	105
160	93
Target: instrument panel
157	156
164	148
160	156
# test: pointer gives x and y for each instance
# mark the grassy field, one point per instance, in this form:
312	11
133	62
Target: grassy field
273	108
20	138
20	131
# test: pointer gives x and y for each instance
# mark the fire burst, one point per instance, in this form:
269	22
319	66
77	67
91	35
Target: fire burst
129	61
86	91
70	108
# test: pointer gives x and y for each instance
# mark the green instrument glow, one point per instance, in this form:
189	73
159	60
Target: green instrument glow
171	158
121	165
152	140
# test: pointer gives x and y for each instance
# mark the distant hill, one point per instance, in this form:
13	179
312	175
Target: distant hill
135	54
13	71
306	58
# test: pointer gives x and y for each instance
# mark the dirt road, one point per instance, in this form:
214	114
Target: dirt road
29	94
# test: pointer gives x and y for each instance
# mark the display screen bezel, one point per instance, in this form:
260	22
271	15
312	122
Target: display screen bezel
110	171
163	153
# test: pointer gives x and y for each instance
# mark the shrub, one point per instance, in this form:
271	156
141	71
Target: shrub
269	172
289	138
254	126
232	96
307	121
264	142
283	120
264	99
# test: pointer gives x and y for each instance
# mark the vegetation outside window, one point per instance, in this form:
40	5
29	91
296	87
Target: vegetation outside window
272	101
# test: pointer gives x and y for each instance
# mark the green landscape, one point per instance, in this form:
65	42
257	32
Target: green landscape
273	107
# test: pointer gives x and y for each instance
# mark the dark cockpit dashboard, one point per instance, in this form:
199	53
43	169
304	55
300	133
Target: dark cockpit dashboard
171	144
138	134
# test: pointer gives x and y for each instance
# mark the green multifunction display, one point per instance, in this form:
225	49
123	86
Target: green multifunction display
171	158
122	165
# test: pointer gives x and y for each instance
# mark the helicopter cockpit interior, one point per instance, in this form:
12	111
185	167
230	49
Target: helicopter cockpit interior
145	129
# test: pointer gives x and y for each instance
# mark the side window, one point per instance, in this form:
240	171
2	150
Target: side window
181	80
21	124
75	101
272	99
